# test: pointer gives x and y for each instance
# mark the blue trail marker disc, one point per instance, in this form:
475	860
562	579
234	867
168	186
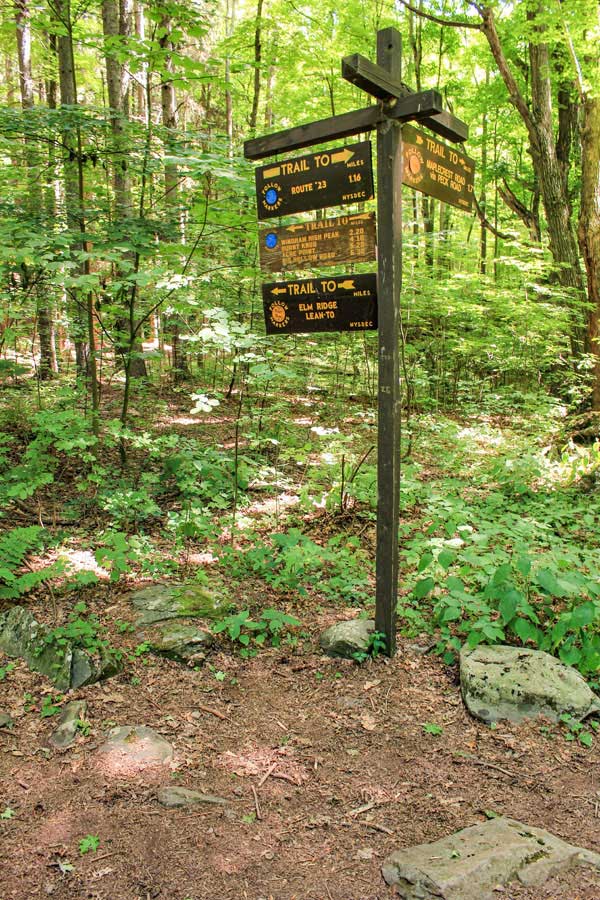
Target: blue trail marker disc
271	196
271	240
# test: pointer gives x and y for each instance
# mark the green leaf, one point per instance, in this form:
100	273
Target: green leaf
89	843
432	728
548	582
423	587
583	615
446	558
526	631
425	561
508	606
455	585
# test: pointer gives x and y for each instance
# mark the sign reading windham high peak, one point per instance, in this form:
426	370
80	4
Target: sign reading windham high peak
326	242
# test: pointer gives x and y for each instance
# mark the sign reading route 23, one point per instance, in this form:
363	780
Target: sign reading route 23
335	303
330	178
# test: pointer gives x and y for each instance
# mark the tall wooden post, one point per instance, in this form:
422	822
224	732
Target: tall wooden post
389	253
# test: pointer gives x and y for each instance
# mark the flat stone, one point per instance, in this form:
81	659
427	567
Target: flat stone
161	602
132	748
69	667
66	731
516	683
344	639
474	863
176	797
179	641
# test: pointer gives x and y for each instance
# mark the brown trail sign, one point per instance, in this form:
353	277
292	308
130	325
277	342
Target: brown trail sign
343	175
333	303
322	242
396	105
436	169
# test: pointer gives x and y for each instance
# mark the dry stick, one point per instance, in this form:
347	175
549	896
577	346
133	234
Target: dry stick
362	809
481	762
269	771
256	804
377	827
213	712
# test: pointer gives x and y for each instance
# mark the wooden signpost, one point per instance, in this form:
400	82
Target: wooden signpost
359	302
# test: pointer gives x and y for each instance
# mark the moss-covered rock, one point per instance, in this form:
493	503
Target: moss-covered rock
516	683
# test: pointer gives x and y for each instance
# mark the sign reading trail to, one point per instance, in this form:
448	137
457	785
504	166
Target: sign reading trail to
323	242
342	175
437	169
337	303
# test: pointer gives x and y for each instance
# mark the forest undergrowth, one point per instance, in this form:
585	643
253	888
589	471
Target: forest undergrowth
499	528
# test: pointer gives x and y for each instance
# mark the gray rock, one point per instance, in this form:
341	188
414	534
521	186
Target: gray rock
22	636
160	602
473	863
66	731
131	748
515	683
346	638
176	797
180	641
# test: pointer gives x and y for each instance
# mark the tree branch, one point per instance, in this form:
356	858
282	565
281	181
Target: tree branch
527	216
439	21
516	98
486	223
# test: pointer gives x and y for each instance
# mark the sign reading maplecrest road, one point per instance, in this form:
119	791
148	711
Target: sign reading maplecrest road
342	175
436	169
322	242
337	303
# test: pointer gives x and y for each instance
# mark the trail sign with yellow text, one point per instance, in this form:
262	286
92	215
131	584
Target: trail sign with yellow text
315	181
334	303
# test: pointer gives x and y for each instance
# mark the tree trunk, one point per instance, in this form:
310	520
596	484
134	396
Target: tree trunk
257	66
84	313
589	231
539	123
117	24
48	365
168	98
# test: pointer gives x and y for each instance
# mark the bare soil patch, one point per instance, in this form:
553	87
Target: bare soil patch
326	767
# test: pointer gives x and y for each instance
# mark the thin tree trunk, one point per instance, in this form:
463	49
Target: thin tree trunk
589	231
539	124
257	67
168	97
117	23
75	200
48	366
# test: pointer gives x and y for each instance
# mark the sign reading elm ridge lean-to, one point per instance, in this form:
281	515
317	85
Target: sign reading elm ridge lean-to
315	181
329	303
326	242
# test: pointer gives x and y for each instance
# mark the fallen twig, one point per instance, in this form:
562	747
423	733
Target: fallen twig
213	712
269	771
256	803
